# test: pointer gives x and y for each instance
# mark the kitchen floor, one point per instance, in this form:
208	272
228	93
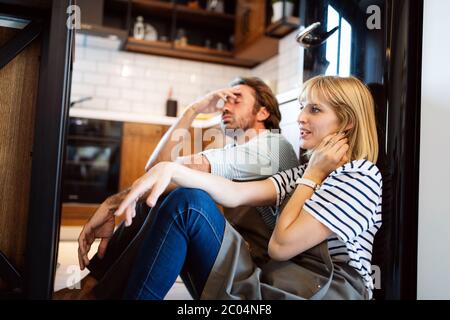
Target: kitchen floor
68	272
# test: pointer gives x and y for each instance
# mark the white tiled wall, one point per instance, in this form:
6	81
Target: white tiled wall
283	72
139	83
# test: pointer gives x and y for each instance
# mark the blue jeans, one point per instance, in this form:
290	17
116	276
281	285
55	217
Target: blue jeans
184	238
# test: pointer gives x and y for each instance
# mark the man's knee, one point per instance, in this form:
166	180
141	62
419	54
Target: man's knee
182	198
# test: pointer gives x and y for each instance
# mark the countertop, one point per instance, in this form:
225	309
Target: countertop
163	120
133	117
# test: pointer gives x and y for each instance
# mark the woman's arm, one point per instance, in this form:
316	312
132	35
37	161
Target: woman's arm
226	192
297	231
152	184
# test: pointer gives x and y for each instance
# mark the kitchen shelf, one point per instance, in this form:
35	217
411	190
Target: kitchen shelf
184	13
202	50
282	27
190	52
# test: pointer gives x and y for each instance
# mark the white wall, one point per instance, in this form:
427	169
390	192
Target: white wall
139	83
284	71
433	281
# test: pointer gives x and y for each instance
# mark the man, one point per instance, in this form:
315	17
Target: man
249	115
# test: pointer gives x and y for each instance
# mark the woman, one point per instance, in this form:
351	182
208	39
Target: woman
321	243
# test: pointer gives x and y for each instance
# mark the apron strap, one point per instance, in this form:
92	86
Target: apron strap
325	253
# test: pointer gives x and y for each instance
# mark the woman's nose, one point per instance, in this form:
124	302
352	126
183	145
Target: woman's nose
301	117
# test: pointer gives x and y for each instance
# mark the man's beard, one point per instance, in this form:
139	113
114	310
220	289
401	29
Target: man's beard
232	132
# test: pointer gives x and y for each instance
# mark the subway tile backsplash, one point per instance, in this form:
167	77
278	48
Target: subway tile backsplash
139	83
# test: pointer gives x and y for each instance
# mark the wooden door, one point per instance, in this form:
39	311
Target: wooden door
18	94
139	141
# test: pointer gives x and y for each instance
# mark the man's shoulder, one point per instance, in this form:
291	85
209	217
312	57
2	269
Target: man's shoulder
272	136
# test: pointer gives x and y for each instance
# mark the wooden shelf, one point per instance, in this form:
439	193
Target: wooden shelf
185	14
282	27
77	214
148	43
203	50
189	52
261	49
152	7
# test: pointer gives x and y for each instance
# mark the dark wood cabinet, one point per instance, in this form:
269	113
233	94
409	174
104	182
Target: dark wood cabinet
35	73
240	35
138	142
251	41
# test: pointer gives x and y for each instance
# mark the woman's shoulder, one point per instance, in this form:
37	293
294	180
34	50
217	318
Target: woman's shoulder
360	167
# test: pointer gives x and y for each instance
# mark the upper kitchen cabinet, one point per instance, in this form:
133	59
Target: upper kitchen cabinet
251	42
105	18
232	32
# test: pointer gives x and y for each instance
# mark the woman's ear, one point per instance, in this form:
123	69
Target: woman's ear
262	114
347	128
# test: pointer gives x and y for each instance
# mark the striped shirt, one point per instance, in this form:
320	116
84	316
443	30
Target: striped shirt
349	204
262	156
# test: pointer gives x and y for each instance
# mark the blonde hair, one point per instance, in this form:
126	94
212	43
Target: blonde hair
353	104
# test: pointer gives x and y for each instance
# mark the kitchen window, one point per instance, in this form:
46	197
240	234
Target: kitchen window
339	48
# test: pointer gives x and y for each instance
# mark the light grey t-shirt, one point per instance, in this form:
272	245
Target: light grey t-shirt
262	156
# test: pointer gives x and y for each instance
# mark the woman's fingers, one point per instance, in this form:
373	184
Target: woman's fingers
128	205
131	197
341	152
336	144
157	190
129	215
133	211
327	140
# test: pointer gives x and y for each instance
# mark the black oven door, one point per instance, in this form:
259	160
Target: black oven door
91	172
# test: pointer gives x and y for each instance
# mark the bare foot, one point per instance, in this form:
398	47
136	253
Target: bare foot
72	293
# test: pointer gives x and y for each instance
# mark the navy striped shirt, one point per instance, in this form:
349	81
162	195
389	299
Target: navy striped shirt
349	204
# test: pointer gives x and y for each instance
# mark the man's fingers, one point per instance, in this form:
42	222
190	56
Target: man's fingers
80	259
85	260
82	240
102	247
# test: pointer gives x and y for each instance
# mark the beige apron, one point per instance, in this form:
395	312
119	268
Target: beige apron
243	269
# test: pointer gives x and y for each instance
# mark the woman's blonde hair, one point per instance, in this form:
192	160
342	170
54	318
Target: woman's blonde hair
353	104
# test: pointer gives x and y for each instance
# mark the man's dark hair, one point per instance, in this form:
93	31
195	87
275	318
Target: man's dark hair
264	98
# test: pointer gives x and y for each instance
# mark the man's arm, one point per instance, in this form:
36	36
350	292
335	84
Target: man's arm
207	104
165	146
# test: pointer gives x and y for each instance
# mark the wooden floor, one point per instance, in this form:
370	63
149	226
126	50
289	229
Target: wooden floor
68	271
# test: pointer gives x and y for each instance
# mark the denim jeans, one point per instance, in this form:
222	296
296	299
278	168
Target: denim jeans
184	238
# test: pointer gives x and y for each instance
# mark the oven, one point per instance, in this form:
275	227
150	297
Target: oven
92	161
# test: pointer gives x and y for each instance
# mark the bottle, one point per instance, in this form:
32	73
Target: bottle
150	33
171	105
181	37
139	28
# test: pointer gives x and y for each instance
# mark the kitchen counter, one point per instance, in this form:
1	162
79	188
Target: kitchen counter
163	120
140	118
